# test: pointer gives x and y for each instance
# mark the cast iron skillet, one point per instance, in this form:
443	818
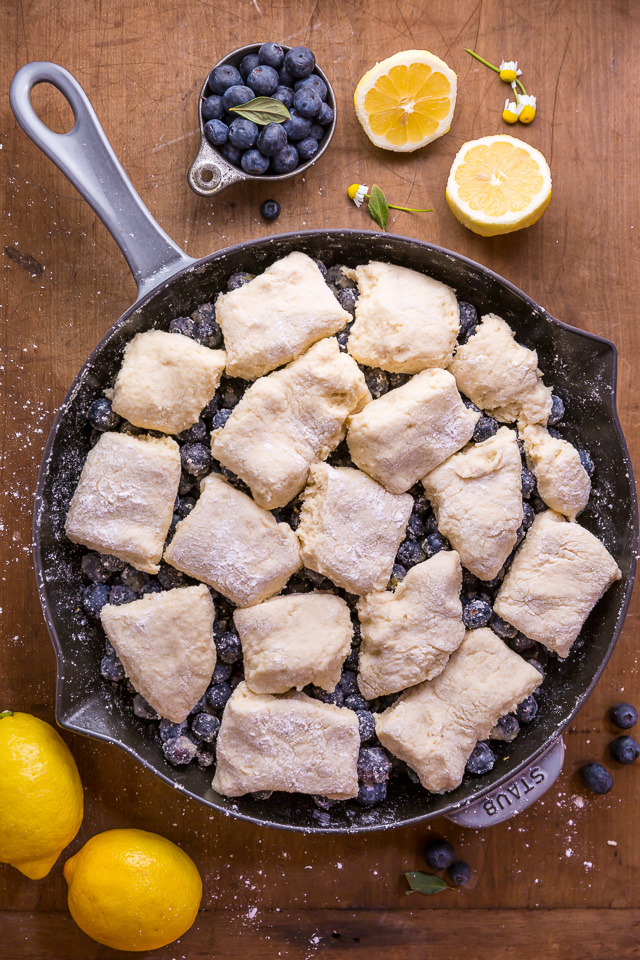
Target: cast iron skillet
580	367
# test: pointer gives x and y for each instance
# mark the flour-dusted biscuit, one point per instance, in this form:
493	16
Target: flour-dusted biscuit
409	635
500	375
289	420
276	317
290	743
405	321
556	578
435	726
123	503
294	640
477	499
165	380
563	483
165	642
404	434
351	527
229	542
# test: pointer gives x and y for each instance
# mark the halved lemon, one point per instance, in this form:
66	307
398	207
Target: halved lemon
498	185
406	101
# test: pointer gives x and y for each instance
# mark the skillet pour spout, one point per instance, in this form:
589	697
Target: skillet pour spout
579	366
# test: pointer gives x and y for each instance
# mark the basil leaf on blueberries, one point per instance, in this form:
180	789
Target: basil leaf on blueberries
262	110
378	207
426	883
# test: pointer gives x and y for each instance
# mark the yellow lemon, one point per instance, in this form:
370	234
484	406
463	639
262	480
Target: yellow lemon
406	101
133	890
498	185
42	805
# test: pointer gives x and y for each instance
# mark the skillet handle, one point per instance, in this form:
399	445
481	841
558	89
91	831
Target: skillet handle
86	158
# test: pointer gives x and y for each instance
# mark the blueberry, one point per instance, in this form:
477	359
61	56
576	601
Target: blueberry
624	716
336	697
527	710
216	132
346	298
218	695
263	80
317	132
261	794
196	459
337	278
247	64
315	82
300	62
237	280
323	803
204	757
286	160
94	569
101	416
586	461
237	676
209	333
557	410
179	751
409	553
231	153
477	613
236	95
307	101
224	77
220	418
374	766
112	564
143	709
243	134
284	95
111	668
459	873
528	515
434	543
286	79
185	326
597	778
134	579
481	760
120	594
398	573
537	502
625	749
509	727
170	578
325	116
520	643
366	724
355	701
272	139
232	391
270	210
205	727
212	108
197	433
439	854
152	587
485	427
370	794
296	127
528	483
377	382
254	163
431	526
272	54
468	320
421	506
504	630
94	598
221	673
349	683
415	528
229	648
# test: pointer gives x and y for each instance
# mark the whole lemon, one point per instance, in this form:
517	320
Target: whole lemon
42	804
133	890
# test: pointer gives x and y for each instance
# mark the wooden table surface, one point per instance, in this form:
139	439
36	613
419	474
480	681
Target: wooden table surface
561	880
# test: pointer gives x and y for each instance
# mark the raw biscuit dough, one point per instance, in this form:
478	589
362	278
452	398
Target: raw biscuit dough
276	317
435	726
294	640
289	420
500	375
290	743
410	430
123	503
477	499
405	321
165	380
351	527
165	642
408	636
230	543
556	578
563	483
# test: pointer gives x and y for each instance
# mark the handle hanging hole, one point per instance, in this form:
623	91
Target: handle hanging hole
52	108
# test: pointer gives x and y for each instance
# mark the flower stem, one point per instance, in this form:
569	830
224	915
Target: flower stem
482	60
521	86
394	206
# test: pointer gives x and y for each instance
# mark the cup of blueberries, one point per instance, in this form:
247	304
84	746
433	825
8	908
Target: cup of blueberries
281	139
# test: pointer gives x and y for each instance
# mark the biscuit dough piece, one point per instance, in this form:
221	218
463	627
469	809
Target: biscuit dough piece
500	375
477	498
290	743
563	483
289	420
230	543
408	636
351	527
435	726
294	640
556	578
123	503
165	380
410	430
405	321
276	317
165	642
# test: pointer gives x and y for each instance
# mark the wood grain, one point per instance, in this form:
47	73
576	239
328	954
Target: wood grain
64	283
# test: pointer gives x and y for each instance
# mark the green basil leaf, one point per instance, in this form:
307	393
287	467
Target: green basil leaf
262	110
426	883
378	207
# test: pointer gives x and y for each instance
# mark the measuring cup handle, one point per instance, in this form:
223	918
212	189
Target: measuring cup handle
86	158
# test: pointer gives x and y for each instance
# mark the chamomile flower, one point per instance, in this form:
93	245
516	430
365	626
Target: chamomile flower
358	193
378	206
508	70
511	112
524	108
527	109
